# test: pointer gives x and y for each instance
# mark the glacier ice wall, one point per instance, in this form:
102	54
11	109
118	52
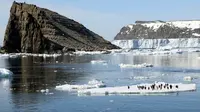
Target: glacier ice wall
158	43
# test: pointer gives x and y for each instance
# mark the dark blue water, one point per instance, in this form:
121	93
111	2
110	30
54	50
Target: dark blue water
32	74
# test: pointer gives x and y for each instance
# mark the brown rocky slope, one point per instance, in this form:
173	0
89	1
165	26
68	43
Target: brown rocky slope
32	29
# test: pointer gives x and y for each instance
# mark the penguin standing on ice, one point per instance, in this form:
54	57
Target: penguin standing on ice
128	87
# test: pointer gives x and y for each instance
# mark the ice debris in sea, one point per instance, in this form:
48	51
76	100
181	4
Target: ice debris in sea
190	78
15	55
90	52
46	92
135	66
99	62
91	84
140	78
5	73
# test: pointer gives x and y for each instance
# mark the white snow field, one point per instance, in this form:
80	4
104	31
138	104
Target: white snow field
181	24
144	65
91	84
136	89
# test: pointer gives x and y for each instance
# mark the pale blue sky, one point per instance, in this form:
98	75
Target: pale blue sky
107	17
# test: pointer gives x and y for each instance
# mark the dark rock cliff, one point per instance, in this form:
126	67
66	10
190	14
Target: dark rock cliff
159	30
32	29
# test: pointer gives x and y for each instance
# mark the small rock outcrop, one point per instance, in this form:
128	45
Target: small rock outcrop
32	29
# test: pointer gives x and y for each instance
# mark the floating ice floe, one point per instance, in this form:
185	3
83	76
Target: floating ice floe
4	55
46	92
140	77
135	66
159	87
91	84
90	53
190	78
15	55
99	62
5	73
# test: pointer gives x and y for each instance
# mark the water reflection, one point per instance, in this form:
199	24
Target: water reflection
36	73
32	73
187	60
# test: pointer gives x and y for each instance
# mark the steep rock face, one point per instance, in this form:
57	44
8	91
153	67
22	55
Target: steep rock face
160	30
37	30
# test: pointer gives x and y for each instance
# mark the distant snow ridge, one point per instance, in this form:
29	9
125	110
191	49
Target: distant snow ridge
158	43
5	73
180	24
91	84
160	30
135	66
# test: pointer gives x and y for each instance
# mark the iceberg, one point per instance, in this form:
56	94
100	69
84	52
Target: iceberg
144	65
5	73
91	84
154	88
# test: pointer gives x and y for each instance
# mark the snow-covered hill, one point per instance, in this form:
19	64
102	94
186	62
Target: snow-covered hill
159	35
160	30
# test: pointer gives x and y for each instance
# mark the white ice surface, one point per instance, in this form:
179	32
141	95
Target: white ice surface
135	66
98	61
15	55
88	52
91	84
158	43
181	24
5	72
134	90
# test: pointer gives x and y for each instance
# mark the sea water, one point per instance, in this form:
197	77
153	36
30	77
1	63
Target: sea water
34	79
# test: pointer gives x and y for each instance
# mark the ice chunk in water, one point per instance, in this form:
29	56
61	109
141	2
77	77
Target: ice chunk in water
188	78
91	84
98	62
135	66
5	73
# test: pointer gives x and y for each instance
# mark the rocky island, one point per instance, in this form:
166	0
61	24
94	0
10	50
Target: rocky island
32	29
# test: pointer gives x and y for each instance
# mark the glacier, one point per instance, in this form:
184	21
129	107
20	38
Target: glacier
172	43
